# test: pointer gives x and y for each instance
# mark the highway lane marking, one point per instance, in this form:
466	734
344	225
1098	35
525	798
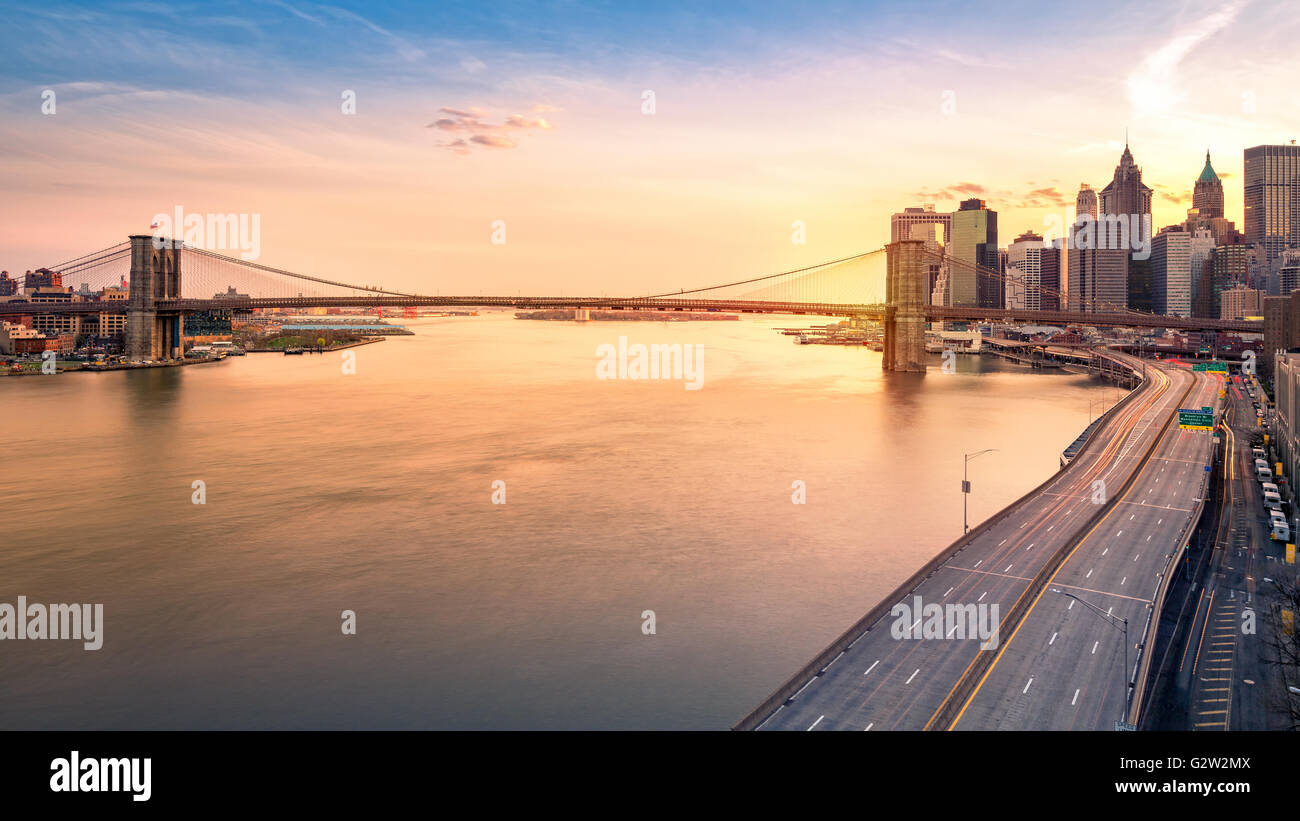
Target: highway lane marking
1052	640
1121	581
1022	527
1075	699
872	667
1008	567
980	562
1027	683
1148	539
1089	576
989	573
1049	527
982	595
909	678
1004	541
1104	552
869	726
1130	518
945	595
1031	544
1094	647
818	721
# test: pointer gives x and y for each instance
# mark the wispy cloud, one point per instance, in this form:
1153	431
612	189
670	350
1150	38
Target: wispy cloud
1153	86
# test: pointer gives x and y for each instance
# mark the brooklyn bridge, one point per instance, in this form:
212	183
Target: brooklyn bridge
166	280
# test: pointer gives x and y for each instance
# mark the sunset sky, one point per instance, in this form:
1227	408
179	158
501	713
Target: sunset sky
833	114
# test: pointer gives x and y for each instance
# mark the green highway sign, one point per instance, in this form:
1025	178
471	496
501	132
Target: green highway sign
1211	367
1194	419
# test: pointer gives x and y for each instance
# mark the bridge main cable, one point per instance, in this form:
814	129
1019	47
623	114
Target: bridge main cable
769	276
282	272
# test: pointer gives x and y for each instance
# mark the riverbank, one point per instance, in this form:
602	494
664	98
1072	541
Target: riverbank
313	349
34	368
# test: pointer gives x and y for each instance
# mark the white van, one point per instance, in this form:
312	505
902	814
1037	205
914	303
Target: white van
1277	516
1258	453
1269	487
1263	474
1273	502
1280	532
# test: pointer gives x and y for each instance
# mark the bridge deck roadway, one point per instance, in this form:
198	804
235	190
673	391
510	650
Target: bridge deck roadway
881	682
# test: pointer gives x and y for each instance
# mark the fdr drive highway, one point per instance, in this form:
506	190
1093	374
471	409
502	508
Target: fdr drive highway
1063	566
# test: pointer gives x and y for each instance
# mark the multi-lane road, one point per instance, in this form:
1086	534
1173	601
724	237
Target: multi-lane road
1221	666
1101	532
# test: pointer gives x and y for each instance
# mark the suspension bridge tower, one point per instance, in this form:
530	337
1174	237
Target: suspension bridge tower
155	276
906	296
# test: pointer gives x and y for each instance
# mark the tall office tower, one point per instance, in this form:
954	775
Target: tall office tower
1207	194
8	286
1277	330
902	224
1086	201
1098	269
1050	273
1272	192
1201	249
974	242
1138	280
1171	272
1126	194
1024	272
1228	270
1288	274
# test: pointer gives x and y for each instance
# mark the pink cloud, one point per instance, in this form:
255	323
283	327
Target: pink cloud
492	141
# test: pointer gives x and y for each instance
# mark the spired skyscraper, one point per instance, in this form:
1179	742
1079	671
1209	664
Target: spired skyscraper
1086	201
1207	194
1126	194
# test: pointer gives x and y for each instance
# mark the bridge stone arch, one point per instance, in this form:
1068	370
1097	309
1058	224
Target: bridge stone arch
155	276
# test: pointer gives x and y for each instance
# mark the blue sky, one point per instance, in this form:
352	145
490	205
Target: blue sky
835	114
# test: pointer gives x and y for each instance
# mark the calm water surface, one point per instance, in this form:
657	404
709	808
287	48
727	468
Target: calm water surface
373	492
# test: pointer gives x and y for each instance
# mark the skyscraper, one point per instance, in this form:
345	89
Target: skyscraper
1207	194
1171	272
1202	272
1272	192
902	224
974	242
1125	194
1098	269
1086	201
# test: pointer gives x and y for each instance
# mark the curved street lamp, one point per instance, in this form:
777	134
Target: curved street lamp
965	483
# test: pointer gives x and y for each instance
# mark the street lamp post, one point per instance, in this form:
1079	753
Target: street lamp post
965	483
1118	624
